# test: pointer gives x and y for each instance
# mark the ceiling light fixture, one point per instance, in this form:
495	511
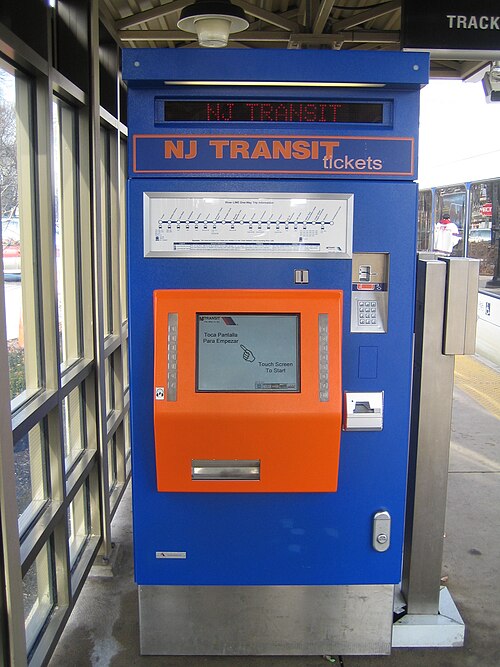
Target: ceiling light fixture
213	21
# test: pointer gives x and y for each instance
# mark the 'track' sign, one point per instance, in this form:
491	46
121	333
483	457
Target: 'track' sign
456	25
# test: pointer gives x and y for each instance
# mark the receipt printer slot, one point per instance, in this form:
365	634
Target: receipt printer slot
363	411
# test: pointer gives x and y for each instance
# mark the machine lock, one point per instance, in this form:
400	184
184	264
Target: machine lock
381	531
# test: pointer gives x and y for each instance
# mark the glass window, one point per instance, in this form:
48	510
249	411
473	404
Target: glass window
424	241
107	293
112	462
18	237
38	594
449	229
125	364
73	426
123	230
30	467
67	228
110	384
78	523
126	422
484	227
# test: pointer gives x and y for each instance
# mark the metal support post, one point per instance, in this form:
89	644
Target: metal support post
445	325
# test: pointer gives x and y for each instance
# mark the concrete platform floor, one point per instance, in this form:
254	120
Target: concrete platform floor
103	630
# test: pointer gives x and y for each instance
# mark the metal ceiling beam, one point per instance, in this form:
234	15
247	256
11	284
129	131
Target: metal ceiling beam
368	15
108	21
442	73
322	16
469	70
181	36
177	5
349	36
289	34
457	69
264	15
291	15
450	64
151	14
380	37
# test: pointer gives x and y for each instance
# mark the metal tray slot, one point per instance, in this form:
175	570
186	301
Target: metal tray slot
225	470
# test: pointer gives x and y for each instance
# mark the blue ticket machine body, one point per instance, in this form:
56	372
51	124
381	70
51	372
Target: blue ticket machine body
271	262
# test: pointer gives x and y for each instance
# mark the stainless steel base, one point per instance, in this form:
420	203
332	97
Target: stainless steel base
266	620
445	629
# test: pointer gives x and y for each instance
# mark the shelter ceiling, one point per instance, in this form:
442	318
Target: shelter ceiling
279	24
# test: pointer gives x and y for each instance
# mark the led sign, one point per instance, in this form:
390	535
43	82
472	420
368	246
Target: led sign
272	111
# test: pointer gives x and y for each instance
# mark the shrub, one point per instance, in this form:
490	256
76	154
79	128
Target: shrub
16	368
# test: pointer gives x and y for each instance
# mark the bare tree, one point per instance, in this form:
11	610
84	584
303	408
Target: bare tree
8	154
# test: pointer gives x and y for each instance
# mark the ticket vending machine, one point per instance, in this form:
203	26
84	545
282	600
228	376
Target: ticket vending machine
271	262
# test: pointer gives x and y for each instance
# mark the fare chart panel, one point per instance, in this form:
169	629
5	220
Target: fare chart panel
248	225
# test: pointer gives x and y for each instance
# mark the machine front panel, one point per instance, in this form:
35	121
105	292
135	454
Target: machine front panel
253	398
240	480
308	537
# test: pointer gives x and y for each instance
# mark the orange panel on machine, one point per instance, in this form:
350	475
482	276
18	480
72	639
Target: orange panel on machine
261	429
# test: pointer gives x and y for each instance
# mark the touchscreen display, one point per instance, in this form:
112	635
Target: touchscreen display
248	353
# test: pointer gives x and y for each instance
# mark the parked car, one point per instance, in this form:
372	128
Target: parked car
480	236
11	257
11	249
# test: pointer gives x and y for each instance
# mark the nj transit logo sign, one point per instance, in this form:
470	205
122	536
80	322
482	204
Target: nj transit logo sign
268	155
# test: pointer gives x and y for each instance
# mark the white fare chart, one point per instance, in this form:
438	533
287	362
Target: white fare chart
248	225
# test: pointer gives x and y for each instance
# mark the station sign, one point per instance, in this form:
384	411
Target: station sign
451	25
268	155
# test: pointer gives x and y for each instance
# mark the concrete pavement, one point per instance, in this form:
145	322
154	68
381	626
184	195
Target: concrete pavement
103	630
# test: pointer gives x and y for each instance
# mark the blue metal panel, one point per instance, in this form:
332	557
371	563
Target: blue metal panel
141	67
307	538
285	539
327	156
394	140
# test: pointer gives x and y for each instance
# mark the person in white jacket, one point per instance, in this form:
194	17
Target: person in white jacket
446	235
